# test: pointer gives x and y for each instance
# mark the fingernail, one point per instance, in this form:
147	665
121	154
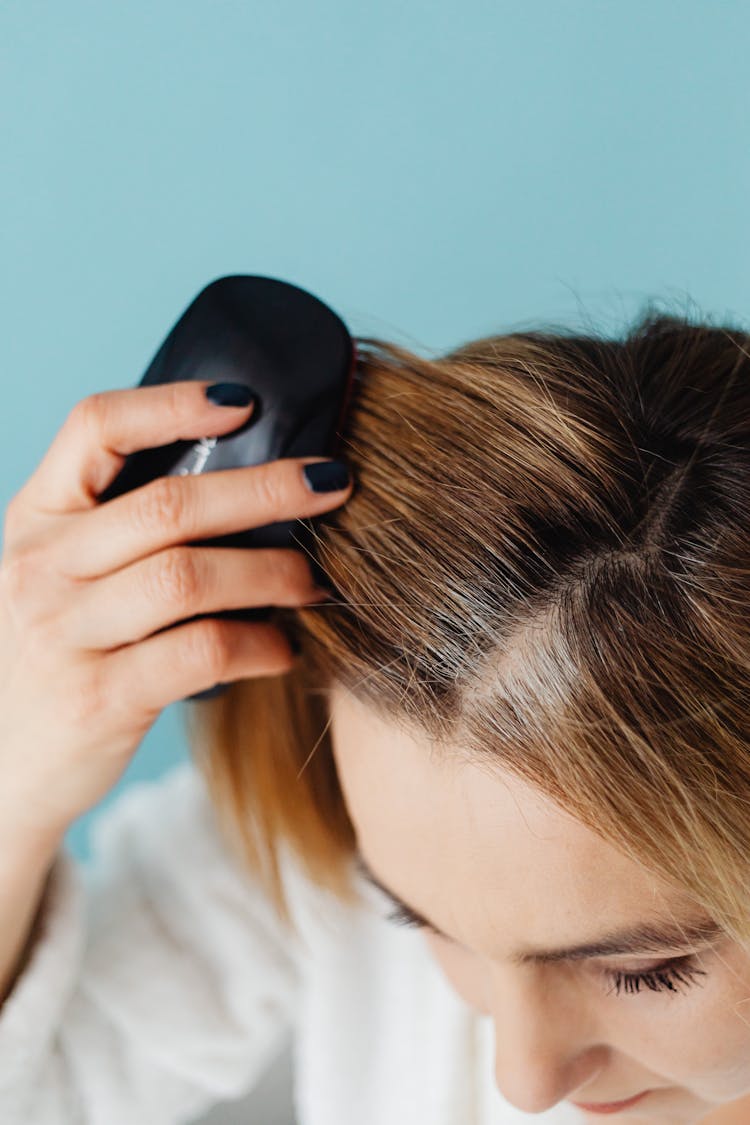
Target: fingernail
229	394
327	476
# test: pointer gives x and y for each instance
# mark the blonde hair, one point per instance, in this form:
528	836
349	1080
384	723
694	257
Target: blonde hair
543	566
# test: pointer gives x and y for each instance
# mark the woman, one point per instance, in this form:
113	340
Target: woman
522	717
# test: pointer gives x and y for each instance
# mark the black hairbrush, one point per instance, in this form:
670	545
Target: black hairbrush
298	358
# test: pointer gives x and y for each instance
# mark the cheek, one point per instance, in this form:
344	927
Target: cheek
703	1038
462	971
700	1043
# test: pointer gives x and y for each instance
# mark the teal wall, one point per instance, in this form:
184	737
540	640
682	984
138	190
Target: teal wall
434	170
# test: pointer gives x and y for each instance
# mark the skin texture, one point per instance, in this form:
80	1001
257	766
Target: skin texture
500	869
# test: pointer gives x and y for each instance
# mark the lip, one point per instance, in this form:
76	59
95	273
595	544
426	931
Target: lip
609	1107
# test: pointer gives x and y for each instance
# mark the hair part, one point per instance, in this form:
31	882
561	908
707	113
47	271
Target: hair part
543	567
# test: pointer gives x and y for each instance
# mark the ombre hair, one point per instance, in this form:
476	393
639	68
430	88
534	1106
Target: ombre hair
545	567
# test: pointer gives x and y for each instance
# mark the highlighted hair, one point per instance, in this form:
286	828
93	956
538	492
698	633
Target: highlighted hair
545	567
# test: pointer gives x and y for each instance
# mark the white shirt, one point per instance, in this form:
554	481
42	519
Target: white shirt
162	982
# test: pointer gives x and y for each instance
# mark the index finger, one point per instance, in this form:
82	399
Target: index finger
101	430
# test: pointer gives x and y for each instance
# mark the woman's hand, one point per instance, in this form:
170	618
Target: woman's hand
84	586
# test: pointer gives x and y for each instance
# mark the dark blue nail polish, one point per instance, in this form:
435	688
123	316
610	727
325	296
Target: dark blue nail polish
327	476
229	394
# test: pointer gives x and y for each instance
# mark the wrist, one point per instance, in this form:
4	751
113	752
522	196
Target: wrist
23	843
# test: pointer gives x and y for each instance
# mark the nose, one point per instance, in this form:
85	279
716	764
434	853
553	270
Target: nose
545	1050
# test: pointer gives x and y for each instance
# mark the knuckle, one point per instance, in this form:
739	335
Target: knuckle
268	488
20	576
175	402
175	578
32	599
210	646
46	636
91	413
160	505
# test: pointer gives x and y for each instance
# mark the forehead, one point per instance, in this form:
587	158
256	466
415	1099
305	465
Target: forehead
442	824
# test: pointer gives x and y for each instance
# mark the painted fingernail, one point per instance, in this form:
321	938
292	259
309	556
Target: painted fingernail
229	394
327	476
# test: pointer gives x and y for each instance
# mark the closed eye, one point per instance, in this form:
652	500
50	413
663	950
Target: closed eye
667	976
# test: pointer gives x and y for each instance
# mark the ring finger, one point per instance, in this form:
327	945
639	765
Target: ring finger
180	582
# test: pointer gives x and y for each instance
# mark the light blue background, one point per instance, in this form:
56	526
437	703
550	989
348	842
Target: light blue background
433	170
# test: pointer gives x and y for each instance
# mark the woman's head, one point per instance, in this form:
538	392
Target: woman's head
542	574
515	886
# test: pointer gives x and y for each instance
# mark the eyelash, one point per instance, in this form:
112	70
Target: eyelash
680	970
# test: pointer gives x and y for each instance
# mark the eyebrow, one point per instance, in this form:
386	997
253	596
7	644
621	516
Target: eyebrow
644	937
